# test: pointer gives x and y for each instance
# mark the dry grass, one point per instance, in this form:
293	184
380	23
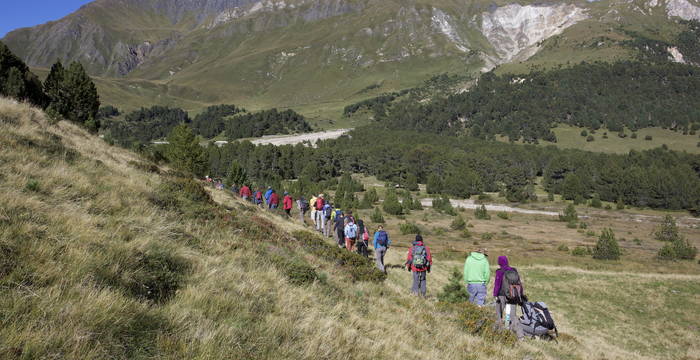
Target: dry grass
74	244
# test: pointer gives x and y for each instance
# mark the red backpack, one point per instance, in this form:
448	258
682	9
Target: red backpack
319	204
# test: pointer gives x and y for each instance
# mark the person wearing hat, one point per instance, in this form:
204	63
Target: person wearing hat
318	205
476	276
419	261
287	204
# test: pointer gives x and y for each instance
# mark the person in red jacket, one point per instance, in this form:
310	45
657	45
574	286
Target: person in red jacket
246	193
274	200
419	261
287	204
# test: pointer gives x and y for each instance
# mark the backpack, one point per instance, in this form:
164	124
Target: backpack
304	204
365	236
536	319
382	239
319	204
327	211
420	257
351	231
511	287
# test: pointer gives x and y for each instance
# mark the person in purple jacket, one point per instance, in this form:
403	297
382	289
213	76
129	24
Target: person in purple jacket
499	292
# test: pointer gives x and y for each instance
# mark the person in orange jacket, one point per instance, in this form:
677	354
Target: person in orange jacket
287	204
419	261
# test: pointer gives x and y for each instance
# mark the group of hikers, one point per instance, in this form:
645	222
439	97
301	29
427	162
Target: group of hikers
351	234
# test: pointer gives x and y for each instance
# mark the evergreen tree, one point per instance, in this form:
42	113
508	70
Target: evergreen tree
236	175
17	81
595	202
55	89
14	85
481	213
668	230
434	185
572	187
606	248
377	216
569	215
458	223
184	152
411	183
391	204
679	249
372	196
453	291
83	99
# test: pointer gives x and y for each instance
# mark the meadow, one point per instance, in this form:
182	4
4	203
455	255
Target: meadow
105	255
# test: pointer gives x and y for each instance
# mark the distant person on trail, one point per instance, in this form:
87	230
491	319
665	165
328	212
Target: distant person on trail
313	209
258	198
245	193
303	206
362	239
274	200
476	276
339	228
234	189
381	244
349	216
320	220
287	204
508	291
268	194
327	219
350	235
419	261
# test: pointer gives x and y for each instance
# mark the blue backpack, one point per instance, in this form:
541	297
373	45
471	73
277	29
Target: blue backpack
327	211
351	231
382	239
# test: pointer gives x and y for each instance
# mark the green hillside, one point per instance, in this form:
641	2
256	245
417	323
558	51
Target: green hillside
105	255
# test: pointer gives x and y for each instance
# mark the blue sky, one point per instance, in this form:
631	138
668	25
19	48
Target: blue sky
22	13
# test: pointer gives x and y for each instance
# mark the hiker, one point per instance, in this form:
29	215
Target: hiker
508	291
245	193
258	198
476	276
318	205
268	194
419	261
381	244
362	239
350	235
303	206
327	217
287	204
349	217
313	209
274	200
339	228
234	189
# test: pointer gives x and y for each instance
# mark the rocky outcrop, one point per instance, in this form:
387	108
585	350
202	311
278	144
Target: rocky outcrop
515	30
683	9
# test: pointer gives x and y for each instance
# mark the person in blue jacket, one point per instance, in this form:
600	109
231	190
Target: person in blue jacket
381	244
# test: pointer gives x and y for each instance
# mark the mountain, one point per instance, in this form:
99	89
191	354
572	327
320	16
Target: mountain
320	55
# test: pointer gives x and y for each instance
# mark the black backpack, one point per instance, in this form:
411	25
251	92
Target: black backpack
511	287
536	319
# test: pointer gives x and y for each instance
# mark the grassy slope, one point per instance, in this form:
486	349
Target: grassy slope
65	236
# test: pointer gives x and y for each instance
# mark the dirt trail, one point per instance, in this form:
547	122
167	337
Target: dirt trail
279	140
470	204
569	269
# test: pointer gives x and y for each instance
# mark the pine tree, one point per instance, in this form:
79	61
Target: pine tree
236	175
481	213
55	89
668	230
391	204
458	223
434	185
372	196
377	216
14	85
570	215
82	96
411	183
17	81
184	152
606	248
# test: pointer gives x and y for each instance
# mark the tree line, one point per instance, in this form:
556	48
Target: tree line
461	167
67	92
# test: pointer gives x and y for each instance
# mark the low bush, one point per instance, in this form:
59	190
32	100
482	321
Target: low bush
458	223
481	213
454	291
487	236
377	216
503	215
409	228
563	247
569	215
679	249
580	251
606	248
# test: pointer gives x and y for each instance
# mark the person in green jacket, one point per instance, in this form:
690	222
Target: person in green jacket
476	276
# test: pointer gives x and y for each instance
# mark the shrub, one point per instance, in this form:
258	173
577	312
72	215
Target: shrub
466	234
679	249
620	205
487	236
443	205
377	216
454	291
668	230
458	223
563	247
503	215
584	133
298	272
391	204
634	135
583	225
550	197
417	205
409	228
32	186
571	225
590	138
580	251
590	233
606	248
648	138
596	203
569	215
439	231
481	213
